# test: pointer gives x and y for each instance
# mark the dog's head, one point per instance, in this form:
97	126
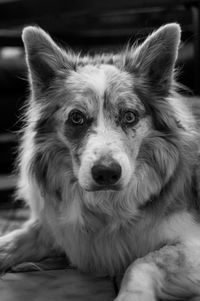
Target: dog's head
107	117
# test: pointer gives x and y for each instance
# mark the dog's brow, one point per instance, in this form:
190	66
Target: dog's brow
92	79
128	98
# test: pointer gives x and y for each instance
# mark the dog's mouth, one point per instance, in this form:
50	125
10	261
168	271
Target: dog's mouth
94	187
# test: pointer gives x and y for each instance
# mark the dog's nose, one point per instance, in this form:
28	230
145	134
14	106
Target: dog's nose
106	174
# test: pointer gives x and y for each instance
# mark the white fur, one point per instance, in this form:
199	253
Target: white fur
95	78
181	227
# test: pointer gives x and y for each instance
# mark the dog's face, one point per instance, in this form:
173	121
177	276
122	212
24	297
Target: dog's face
104	109
105	123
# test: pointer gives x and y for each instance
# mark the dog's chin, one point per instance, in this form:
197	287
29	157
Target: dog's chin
94	188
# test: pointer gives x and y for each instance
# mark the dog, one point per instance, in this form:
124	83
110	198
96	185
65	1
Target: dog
109	165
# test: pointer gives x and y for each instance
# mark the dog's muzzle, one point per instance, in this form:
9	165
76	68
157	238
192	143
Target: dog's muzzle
106	174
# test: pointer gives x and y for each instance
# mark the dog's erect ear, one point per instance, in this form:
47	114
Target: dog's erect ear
155	58
44	57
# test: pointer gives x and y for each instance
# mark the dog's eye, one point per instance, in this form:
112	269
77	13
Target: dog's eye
130	117
77	117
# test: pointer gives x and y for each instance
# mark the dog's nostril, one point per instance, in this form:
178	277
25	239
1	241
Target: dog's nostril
106	174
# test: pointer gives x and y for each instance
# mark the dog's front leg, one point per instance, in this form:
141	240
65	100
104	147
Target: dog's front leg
172	272
30	243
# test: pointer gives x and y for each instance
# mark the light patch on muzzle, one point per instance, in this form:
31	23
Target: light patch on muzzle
106	153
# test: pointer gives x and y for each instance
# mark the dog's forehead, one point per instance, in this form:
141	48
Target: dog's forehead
101	80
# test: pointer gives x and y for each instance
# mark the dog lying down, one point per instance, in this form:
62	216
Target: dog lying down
109	166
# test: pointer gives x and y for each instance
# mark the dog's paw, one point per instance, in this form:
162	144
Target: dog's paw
135	296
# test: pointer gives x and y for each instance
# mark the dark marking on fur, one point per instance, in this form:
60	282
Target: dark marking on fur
47	164
46	124
77	157
58	193
195	188
77	133
157	108
39	168
43	127
107	105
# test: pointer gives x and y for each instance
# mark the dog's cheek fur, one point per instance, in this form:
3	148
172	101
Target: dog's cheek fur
157	162
50	163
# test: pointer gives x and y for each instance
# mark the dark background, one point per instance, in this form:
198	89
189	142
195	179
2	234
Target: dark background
88	26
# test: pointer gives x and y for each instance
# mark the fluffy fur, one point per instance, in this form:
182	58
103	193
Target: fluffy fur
109	166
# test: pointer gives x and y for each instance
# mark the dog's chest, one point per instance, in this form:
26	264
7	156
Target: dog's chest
107	250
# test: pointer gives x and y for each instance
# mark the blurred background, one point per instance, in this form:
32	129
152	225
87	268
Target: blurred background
87	25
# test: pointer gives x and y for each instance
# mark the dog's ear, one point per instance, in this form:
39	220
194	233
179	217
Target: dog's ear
155	58
44	57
